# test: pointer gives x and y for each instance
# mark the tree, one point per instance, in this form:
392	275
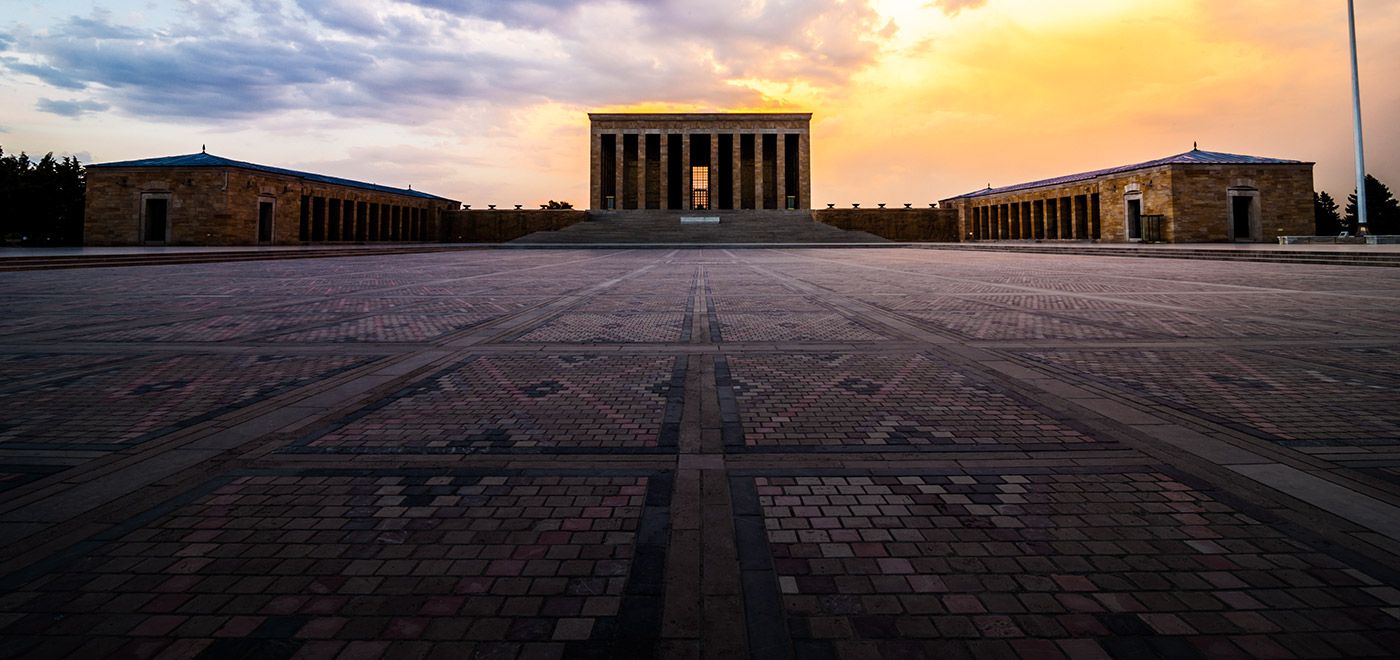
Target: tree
1327	218
558	205
1382	209
41	203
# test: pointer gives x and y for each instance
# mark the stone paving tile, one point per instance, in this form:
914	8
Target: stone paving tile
214	329
16	474
793	326
610	328
858	402
390	327
1280	401
325	563
1191	325
1012	325
558	403
1379	360
1128	563
139	399
19	367
639	303
766	303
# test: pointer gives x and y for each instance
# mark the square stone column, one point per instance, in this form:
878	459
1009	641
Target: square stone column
758	170
736	170
714	171
782	170
665	167
595	171
804	170
686	187
619	169
641	170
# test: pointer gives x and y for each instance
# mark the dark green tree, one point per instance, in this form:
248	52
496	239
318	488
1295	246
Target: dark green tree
558	205
41	202
1327	216
1382	209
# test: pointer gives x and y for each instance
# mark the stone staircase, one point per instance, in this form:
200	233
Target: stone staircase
665	227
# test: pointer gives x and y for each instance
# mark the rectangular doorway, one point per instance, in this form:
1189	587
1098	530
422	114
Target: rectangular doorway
1241	210
264	221
157	215
1134	219
700	188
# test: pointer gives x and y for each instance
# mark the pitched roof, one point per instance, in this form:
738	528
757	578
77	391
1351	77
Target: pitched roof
1193	157
210	160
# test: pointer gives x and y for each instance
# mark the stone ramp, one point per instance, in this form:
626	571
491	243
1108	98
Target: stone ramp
665	227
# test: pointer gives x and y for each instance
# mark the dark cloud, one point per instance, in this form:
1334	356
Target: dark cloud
414	59
69	108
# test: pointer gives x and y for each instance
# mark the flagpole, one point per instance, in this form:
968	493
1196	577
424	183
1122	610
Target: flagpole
1356	111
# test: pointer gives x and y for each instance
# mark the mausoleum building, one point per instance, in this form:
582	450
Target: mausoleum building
698	161
1197	196
203	199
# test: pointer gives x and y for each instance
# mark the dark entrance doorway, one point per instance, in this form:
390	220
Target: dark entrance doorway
1134	219
1242	207
157	217
264	222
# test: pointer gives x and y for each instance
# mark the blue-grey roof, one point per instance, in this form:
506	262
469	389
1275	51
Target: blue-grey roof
1193	157
210	160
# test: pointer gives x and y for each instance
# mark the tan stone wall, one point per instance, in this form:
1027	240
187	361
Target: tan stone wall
499	226
216	206
1193	199
909	225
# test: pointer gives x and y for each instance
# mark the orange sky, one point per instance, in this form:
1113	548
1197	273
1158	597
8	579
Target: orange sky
913	100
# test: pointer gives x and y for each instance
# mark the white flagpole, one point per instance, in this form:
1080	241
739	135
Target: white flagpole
1356	110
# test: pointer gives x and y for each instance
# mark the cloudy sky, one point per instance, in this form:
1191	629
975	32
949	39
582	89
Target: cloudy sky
486	101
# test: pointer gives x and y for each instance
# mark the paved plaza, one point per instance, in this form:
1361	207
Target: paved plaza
701	453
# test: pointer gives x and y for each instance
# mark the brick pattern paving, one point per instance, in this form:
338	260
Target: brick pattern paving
855	401
521	403
1047	565
275	566
700	453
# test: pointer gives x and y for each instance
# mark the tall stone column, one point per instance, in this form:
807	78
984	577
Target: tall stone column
665	178
804	170
641	170
714	171
619	171
782	170
595	171
686	188
736	170
758	170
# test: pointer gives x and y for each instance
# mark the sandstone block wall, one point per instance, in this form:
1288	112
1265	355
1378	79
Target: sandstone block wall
499	226
219	206
899	224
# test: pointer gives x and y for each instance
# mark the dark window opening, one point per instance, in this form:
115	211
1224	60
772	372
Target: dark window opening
609	166
157	217
1095	217
318	219
725	167
1134	219
333	221
790	187
362	221
264	222
1081	216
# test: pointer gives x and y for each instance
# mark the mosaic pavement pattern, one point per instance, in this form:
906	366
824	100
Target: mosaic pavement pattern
779	453
1131	564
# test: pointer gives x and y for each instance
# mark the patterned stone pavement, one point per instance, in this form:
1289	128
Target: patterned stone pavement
841	453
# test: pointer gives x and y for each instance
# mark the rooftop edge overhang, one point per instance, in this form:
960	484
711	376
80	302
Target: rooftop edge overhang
698	116
309	180
1093	178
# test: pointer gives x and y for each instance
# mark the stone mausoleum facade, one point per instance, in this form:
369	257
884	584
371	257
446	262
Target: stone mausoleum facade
1198	196
697	161
203	199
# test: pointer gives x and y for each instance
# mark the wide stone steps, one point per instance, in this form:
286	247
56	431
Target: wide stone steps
735	227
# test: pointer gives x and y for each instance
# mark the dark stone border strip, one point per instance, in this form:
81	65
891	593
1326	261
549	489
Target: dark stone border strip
763	601
668	438
716	332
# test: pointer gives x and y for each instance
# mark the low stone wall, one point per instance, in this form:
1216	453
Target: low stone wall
924	225
499	226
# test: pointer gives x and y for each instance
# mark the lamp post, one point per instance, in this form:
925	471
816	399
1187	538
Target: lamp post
1356	112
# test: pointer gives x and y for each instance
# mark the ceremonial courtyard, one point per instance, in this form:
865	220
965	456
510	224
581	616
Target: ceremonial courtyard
701	453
